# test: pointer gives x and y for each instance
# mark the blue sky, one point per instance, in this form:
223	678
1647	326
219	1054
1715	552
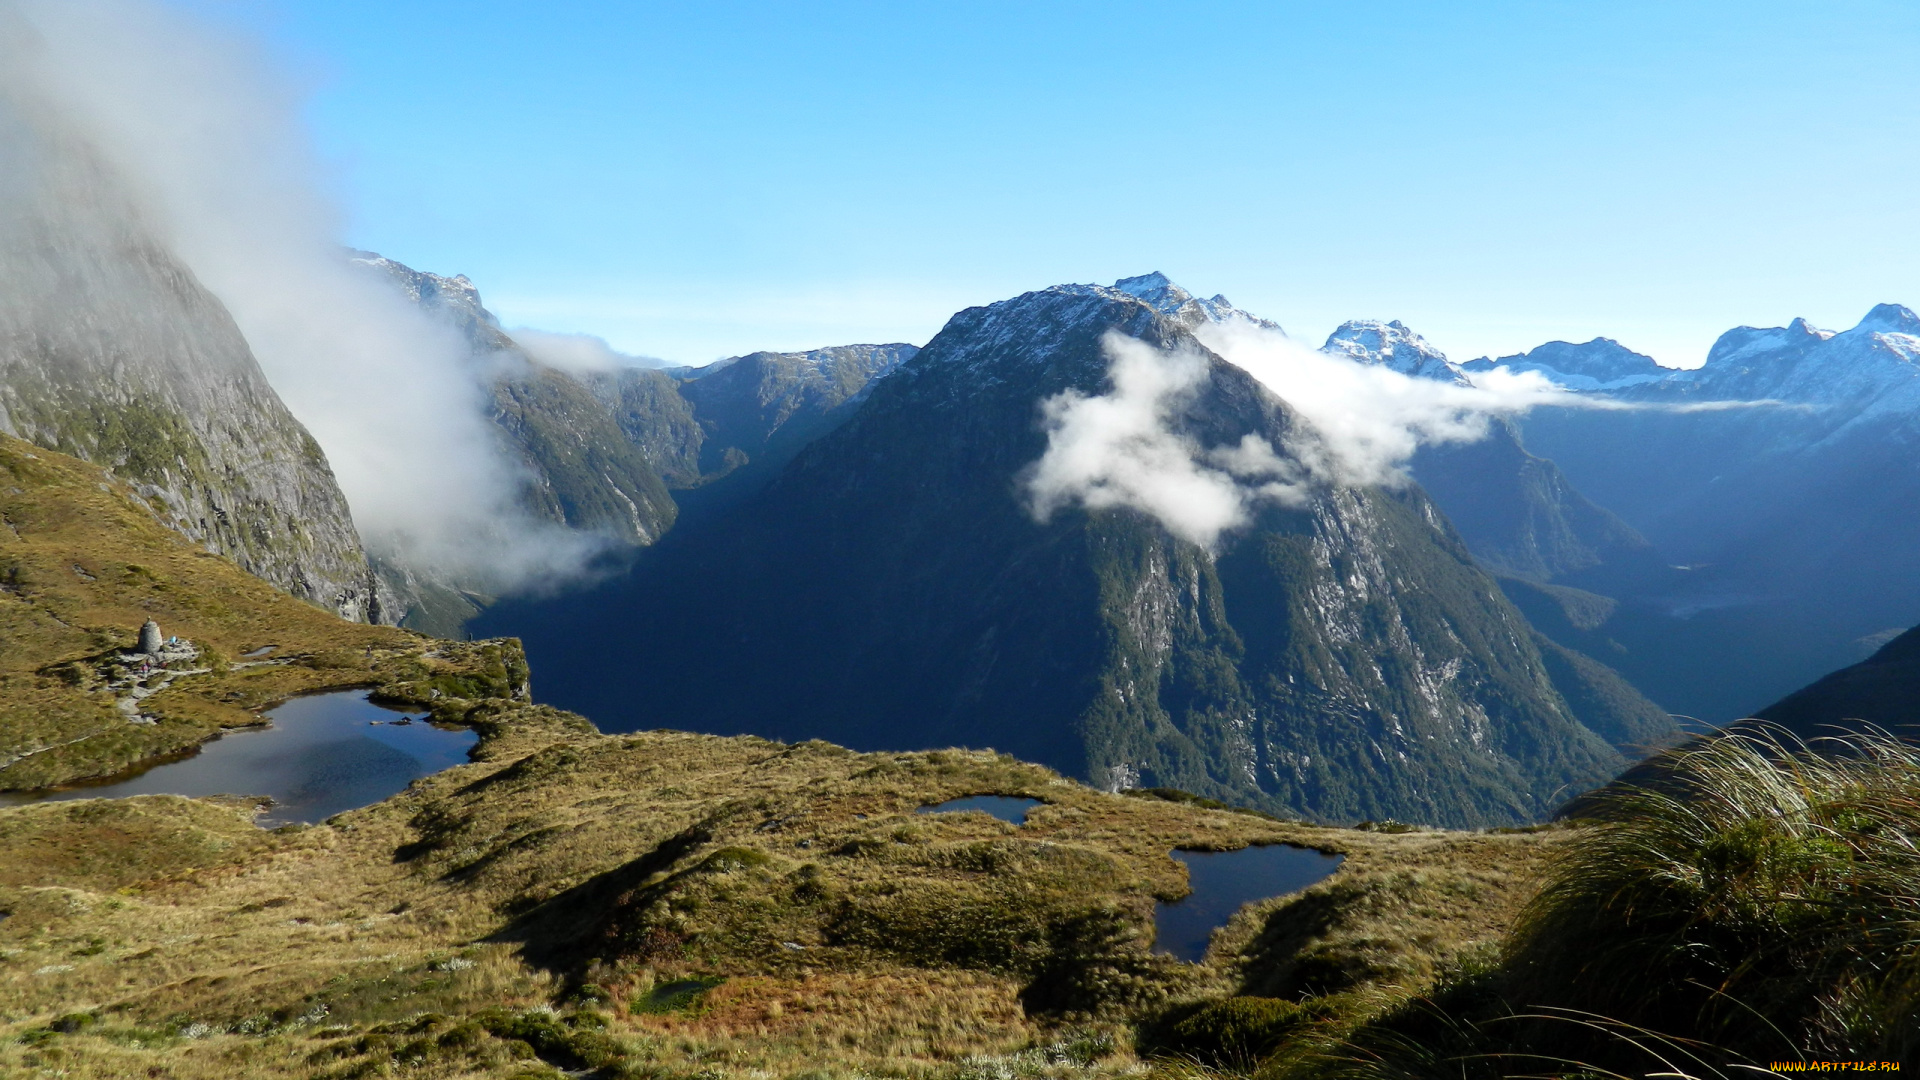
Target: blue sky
695	180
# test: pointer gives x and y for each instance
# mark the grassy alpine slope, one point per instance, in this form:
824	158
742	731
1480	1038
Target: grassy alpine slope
1762	905
83	563
667	904
676	905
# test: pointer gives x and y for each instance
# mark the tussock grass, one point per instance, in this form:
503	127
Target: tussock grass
1764	896
565	873
1760	902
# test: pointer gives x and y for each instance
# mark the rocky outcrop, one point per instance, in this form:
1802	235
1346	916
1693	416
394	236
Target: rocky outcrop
111	351
580	470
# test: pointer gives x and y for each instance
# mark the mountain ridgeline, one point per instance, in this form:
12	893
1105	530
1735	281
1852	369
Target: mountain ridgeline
1776	481
1345	659
1518	513
604	450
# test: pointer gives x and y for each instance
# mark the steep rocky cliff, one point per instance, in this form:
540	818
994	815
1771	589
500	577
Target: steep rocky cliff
601	448
111	351
580	469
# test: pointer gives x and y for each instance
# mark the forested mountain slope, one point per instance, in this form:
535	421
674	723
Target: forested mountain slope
1343	658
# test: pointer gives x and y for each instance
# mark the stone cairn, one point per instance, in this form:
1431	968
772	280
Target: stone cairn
157	651
146	670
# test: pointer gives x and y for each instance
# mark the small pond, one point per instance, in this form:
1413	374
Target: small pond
1225	881
320	755
1005	807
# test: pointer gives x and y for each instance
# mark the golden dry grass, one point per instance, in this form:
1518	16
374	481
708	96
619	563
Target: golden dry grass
579	870
82	564
539	907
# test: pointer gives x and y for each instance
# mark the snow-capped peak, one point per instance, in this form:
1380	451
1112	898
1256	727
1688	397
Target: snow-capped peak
1392	345
456	295
1891	319
1871	369
1155	289
1161	294
1743	343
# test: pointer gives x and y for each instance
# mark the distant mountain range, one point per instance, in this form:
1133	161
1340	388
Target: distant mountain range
1345	659
1778	484
836	542
604	450
1517	512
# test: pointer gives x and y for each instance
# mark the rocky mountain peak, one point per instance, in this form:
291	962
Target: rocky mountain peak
1156	289
455	298
1169	299
1744	343
1392	345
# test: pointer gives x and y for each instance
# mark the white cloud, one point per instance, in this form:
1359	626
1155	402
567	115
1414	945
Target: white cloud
579	353
1118	449
1366	421
212	148
1361	425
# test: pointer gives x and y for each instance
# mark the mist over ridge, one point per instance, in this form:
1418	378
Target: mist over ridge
209	144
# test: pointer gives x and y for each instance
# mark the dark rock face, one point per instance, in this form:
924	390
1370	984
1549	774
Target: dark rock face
1526	523
647	406
1343	659
111	351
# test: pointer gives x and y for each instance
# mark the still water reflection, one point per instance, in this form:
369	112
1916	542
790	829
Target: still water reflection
1005	807
322	754
1225	881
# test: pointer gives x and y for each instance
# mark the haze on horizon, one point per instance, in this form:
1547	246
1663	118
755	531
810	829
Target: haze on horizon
693	183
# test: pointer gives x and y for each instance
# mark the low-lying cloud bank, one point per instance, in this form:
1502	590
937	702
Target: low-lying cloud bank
579	354
209	144
1361	425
